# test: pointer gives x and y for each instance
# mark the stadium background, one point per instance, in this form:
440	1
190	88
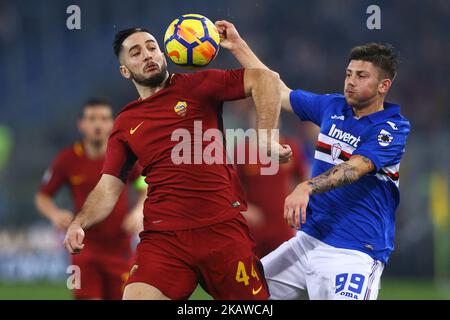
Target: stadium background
48	72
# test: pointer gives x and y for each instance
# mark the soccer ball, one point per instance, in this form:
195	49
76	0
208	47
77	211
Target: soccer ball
191	40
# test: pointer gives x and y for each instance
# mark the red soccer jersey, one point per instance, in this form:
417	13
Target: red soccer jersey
180	196
73	168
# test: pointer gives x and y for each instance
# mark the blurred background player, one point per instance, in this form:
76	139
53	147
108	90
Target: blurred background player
104	265
265	195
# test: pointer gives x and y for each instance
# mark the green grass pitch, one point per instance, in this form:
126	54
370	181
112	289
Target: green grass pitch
391	289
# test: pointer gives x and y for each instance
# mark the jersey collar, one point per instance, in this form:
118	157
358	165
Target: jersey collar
389	110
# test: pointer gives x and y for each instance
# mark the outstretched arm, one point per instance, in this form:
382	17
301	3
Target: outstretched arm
259	83
231	40
97	207
340	175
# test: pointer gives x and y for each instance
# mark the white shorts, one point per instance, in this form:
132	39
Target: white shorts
306	267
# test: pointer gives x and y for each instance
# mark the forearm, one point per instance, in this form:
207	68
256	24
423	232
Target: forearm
246	57
249	60
340	175
97	206
265	91
45	205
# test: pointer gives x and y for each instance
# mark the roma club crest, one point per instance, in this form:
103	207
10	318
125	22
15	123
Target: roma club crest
336	150
181	108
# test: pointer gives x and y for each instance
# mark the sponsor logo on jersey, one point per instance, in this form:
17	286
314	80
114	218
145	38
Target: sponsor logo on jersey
344	136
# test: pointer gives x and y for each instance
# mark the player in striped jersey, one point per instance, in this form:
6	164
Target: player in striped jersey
346	212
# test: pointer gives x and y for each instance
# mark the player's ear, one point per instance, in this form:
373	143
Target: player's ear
80	125
124	72
384	86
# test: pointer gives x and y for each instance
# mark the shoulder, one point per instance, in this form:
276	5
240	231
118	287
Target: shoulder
73	151
128	107
335	101
402	121
202	75
391	131
333	104
69	154
335	98
395	123
122	120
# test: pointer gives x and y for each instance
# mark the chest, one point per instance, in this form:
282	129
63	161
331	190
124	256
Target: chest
158	124
343	129
84	174
340	135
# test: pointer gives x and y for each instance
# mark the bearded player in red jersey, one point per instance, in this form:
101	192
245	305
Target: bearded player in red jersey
104	265
193	229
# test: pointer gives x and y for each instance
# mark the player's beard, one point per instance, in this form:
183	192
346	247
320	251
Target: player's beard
153	81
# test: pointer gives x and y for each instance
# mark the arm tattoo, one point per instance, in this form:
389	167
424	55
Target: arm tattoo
338	176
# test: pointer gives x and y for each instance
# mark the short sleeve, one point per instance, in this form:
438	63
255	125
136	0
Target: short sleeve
310	106
220	85
384	145
119	159
54	177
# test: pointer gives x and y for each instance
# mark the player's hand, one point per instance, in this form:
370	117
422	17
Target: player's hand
133	223
285	153
271	146
229	37
254	215
74	238
62	219
295	205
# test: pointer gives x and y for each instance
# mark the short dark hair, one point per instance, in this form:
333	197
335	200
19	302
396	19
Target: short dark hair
94	102
121	35
381	55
